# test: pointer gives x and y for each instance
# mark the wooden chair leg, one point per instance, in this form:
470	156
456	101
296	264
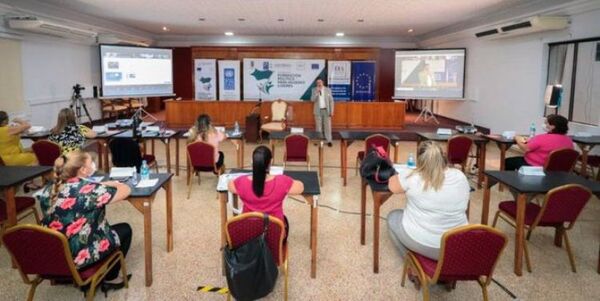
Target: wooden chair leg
527	259
36	215
425	290
356	166
569	252
285	272
189	183
404	271
483	290
496	219
34	285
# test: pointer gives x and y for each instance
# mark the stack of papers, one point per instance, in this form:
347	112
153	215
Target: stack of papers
36	129
296	130
122	172
444	131
147	183
224	180
99	129
276	170
532	171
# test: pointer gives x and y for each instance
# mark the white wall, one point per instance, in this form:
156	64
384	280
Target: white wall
505	78
51	67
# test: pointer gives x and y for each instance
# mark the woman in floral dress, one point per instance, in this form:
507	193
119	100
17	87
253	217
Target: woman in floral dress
75	206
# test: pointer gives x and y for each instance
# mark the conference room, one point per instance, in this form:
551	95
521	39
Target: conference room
299	150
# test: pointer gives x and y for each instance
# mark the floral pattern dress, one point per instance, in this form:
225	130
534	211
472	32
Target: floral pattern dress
79	213
71	138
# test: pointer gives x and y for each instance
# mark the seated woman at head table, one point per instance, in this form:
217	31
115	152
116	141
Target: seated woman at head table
538	148
204	131
11	150
437	199
262	192
76	206
68	134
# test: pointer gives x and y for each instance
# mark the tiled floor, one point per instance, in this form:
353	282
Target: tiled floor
344	267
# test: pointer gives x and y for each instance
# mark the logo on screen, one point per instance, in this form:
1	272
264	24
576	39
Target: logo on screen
229	79
265	65
314	66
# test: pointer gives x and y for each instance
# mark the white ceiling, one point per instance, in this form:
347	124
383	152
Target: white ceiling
382	18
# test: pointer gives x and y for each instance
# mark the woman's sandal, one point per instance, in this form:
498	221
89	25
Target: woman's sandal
106	286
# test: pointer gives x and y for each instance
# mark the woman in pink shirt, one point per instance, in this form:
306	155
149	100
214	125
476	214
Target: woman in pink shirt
538	148
263	192
205	132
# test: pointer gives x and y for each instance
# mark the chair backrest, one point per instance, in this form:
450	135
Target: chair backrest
46	152
469	252
38	250
2	162
563	204
247	226
377	140
296	147
563	159
458	149
126	152
278	110
201	156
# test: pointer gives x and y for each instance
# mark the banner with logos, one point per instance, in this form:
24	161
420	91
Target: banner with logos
338	79
288	79
229	80
363	81
205	84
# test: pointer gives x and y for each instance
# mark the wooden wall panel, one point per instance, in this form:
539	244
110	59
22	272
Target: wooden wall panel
347	115
183	83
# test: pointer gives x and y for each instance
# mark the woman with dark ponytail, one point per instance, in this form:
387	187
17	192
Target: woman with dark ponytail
263	192
75	206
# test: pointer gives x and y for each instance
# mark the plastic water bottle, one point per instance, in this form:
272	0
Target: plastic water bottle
144	171
410	163
532	130
236	127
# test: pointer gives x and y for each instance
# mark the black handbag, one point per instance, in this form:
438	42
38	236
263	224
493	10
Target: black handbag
376	167
250	269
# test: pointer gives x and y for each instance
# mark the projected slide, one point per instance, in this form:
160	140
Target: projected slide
136	71
430	74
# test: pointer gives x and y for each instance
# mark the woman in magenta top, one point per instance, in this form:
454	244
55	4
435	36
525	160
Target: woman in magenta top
263	192
538	148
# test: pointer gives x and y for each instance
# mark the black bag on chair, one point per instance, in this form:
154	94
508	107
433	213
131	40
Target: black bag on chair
376	167
250	269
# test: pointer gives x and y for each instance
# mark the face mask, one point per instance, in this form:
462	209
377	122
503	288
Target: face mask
92	168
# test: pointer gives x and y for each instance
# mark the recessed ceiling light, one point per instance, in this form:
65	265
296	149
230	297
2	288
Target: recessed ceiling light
410	30
320	20
339	34
165	28
360	20
201	19
241	19
280	20
229	33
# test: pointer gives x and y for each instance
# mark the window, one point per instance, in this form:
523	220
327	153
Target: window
576	66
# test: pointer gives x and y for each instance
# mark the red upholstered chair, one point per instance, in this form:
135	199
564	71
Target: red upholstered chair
561	205
25	206
244	227
201	158
468	253
46	152
45	254
561	160
296	149
458	151
373	140
1	161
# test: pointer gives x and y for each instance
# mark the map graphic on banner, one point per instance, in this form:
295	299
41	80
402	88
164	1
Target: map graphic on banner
338	79
229	80
205	71
288	79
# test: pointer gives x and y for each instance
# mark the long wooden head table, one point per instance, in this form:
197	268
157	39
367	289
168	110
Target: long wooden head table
347	115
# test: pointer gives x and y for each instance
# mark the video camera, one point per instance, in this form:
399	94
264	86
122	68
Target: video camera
77	90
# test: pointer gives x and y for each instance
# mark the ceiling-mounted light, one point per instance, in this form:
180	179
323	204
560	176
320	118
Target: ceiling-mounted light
229	33
165	28
410	30
339	34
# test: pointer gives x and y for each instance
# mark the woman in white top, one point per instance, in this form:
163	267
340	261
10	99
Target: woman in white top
437	199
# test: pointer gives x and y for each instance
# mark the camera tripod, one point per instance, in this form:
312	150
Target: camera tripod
78	103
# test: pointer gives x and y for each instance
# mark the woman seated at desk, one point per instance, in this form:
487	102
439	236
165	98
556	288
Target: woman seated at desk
437	200
204	131
538	148
263	192
76	207
11	151
68	134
